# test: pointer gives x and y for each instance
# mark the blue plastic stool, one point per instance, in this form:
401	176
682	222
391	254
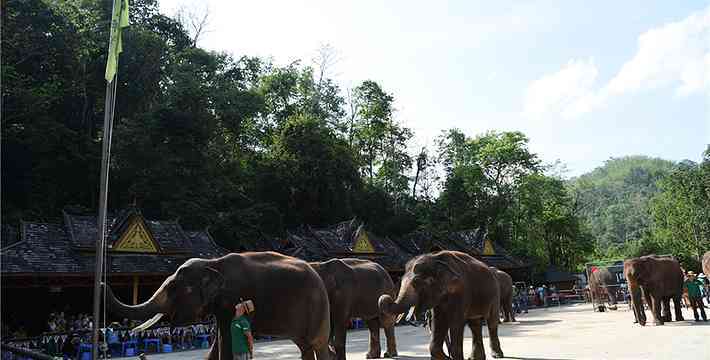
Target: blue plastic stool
129	348
84	352
204	341
167	348
153	341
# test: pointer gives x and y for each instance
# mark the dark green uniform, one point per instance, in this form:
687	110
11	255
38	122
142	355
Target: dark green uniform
694	295
239	328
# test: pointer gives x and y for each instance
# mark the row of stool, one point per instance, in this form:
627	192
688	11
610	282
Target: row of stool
130	347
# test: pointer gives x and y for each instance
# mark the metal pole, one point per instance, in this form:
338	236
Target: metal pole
103	200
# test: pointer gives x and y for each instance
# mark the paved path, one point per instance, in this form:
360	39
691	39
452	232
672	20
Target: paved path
568	332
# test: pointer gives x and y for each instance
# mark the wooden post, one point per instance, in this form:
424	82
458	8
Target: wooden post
135	289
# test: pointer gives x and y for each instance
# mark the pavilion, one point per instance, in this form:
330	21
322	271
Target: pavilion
50	267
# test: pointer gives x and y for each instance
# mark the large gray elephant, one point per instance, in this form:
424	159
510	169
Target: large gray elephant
603	284
289	297
354	287
505	286
660	278
461	290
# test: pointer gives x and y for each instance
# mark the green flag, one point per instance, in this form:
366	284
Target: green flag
119	21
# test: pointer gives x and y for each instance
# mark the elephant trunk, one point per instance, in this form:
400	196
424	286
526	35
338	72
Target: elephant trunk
406	299
157	304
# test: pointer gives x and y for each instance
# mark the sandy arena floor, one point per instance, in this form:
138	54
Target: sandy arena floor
568	332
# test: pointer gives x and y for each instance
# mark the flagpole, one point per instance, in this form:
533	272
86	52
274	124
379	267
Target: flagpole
103	202
103	185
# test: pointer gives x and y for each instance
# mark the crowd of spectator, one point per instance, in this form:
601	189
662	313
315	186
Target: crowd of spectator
58	322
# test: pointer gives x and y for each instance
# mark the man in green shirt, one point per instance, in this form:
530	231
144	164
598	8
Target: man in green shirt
695	296
242	340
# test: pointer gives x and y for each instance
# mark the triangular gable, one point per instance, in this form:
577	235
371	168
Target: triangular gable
136	238
363	244
488	249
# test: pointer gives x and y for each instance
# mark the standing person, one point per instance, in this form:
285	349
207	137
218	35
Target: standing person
523	299
242	340
693	285
706	286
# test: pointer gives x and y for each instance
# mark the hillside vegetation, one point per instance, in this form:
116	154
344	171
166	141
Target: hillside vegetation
637	205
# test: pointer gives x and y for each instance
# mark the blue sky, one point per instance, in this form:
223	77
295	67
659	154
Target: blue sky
586	81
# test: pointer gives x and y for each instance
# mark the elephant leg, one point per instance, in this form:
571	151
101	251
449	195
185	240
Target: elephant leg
676	308
440	329
656	310
340	334
323	352
306	351
224	338
456	340
492	323
666	309
509	307
477	350
375	349
391	342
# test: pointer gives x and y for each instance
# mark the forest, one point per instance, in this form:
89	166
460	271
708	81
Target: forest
249	148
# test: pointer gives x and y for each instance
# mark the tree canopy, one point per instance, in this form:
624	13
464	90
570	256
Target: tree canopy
250	148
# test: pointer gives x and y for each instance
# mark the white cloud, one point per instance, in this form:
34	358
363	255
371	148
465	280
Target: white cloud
567	91
675	55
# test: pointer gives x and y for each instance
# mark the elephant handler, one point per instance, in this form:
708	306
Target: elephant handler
242	339
693	286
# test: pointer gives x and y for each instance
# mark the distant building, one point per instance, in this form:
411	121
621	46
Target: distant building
50	267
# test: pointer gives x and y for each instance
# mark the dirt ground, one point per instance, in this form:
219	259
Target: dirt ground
567	332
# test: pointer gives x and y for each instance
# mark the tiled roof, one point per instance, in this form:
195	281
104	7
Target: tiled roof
203	245
43	248
62	248
337	241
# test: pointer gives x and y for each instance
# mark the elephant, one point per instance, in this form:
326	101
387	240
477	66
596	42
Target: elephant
505	286
290	300
603	283
706	263
354	287
660	278
460	290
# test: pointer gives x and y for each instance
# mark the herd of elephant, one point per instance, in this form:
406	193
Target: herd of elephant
312	303
657	280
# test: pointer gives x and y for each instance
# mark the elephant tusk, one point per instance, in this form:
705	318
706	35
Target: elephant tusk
399	317
410	313
148	323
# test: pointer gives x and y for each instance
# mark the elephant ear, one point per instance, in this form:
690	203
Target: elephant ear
212	282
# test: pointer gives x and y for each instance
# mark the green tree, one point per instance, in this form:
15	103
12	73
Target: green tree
488	169
614	200
380	141
681	216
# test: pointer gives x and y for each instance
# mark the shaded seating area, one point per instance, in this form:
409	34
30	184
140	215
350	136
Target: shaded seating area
120	342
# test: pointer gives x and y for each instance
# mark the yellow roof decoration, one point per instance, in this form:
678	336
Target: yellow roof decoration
488	248
363	244
136	238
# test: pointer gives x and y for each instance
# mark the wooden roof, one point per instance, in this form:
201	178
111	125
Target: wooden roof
69	247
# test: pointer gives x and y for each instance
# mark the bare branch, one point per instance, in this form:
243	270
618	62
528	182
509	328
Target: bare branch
195	20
